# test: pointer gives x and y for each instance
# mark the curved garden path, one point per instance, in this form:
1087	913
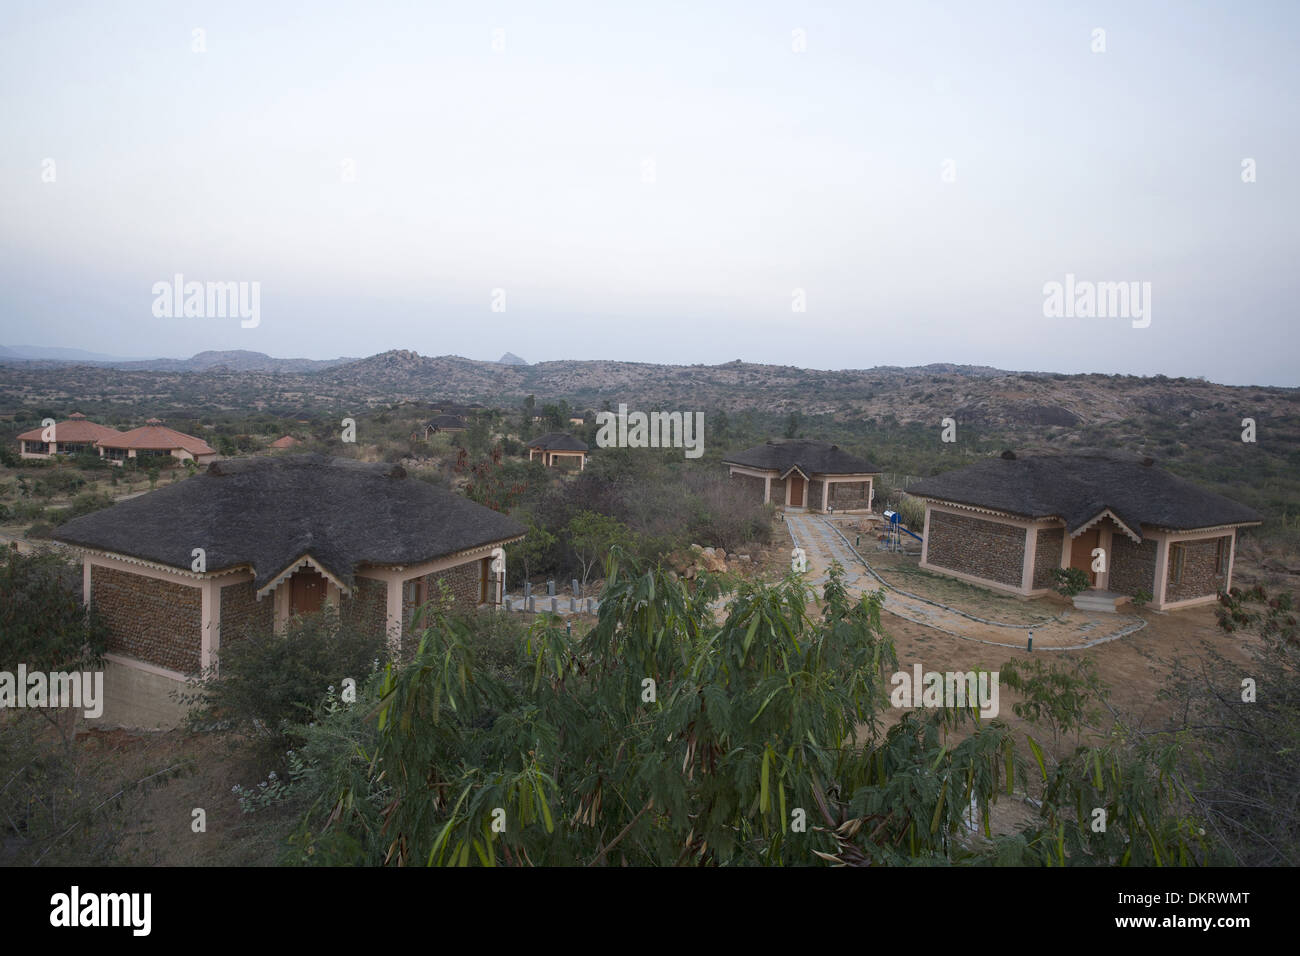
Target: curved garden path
823	543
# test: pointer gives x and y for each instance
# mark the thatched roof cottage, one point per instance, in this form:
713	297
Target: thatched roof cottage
251	541
1008	523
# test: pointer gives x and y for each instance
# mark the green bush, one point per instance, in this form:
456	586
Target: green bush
268	681
83	504
1071	581
42	621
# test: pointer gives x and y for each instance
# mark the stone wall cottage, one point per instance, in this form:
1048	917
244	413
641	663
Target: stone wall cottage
799	474
76	435
1008	523
552	447
153	438
279	536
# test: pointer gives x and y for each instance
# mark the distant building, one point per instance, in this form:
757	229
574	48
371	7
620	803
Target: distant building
1008	523
798	474
286	441
155	440
552	447
77	435
280	536
444	423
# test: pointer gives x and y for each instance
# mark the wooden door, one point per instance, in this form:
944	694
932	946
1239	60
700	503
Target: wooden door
1081	553
796	490
306	592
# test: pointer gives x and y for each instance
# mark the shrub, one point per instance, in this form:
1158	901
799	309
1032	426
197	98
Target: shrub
268	681
83	504
42	621
1071	581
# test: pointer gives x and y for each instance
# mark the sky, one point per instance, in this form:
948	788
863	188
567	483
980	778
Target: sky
822	185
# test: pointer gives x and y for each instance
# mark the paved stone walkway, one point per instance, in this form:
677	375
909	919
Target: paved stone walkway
823	542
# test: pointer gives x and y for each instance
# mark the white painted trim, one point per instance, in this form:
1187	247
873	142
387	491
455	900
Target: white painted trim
1001	516
1162	571
402	572
1189	602
1107	513
925	536
303	561
1031	555
394	614
146	667
749	470
153	569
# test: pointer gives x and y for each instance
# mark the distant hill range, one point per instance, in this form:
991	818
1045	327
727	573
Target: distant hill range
976	395
235	360
51	354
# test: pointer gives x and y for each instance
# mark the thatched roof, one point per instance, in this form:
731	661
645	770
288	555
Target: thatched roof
558	441
810	457
269	512
447	421
1077	488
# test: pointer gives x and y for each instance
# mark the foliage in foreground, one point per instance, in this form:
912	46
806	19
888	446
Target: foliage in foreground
268	682
663	737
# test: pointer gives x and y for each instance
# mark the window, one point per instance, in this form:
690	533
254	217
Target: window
413	591
1177	558
1221	556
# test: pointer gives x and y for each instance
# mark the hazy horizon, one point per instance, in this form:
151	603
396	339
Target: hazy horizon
658	185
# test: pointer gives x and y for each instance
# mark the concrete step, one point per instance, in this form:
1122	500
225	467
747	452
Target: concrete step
1106	602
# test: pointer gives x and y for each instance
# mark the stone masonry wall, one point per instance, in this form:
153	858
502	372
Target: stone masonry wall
155	621
847	495
1200	576
748	487
464	582
366	608
813	501
1047	556
986	549
243	614
778	492
1132	566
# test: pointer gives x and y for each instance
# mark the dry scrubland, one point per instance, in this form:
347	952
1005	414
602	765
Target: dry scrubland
890	415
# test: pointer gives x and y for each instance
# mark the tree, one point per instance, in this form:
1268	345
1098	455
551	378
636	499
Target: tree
664	736
1244	725
592	536
792	425
493	482
720	426
534	548
43	623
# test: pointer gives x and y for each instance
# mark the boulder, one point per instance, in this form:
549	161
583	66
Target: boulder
711	562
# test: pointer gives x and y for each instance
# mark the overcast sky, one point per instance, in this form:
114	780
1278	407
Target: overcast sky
653	181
